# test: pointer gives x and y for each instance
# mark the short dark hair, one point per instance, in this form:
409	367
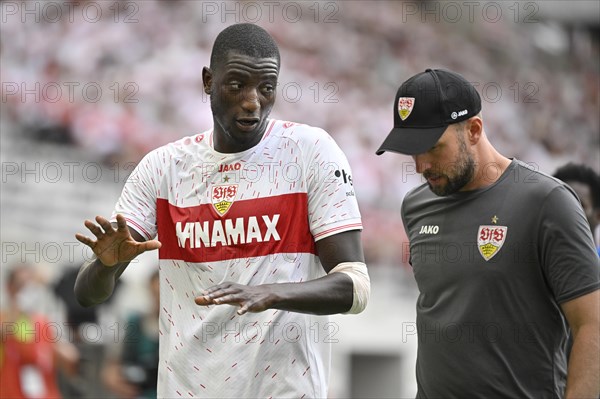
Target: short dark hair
246	39
582	174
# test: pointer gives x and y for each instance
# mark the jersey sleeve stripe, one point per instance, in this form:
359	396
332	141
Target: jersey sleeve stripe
338	229
139	228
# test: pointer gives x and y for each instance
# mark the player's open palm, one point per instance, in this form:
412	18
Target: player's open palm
113	246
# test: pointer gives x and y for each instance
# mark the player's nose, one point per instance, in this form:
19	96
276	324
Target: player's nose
250	102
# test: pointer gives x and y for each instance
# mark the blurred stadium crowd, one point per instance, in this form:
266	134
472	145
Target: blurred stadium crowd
120	85
121	89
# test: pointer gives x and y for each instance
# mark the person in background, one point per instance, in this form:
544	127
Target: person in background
586	184
131	368
31	349
84	328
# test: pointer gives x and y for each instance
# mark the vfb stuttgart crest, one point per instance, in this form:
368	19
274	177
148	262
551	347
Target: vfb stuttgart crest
223	196
405	106
490	239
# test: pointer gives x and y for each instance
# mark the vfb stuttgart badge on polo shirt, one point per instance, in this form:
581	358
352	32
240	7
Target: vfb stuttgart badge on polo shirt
405	106
490	239
222	197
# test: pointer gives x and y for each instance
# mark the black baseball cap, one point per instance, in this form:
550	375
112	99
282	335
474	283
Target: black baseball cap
424	107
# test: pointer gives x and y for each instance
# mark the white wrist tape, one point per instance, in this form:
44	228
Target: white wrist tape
361	281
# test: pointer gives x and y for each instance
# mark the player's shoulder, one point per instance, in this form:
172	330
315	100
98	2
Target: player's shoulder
299	131
189	142
192	145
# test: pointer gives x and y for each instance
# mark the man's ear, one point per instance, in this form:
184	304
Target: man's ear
474	129
207	80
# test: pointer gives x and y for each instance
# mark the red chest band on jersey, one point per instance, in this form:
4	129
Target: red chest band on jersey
255	227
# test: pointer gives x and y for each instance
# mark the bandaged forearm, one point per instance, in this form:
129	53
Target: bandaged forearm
361	282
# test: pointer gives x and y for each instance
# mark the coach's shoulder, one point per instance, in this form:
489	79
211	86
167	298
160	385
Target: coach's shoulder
536	186
530	175
418	195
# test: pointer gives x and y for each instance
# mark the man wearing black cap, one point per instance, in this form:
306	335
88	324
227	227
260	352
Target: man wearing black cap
502	254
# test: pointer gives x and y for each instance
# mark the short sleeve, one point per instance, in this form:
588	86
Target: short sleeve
332	203
567	252
137	202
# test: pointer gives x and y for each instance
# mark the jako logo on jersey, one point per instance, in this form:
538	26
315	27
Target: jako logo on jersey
429	229
346	177
490	239
228	168
223	196
209	233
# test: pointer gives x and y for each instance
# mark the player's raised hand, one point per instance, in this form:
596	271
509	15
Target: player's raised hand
113	246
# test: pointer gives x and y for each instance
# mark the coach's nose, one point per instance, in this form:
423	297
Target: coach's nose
422	162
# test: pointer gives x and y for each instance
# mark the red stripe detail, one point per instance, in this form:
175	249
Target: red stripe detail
143	231
269	129
292	227
346	226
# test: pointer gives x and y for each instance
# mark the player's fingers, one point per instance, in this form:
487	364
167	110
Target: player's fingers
255	307
150	245
85	240
203	301
227	298
251	306
221	292
94	228
105	224
121	223
216	288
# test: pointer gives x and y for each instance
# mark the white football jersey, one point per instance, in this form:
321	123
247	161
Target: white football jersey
252	218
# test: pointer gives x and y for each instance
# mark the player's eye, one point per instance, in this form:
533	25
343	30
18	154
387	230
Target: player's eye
268	88
235	85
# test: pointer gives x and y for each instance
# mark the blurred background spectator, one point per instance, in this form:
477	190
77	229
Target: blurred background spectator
82	326
131	366
88	87
31	346
586	184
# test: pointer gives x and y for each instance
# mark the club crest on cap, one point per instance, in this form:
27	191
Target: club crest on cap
405	106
